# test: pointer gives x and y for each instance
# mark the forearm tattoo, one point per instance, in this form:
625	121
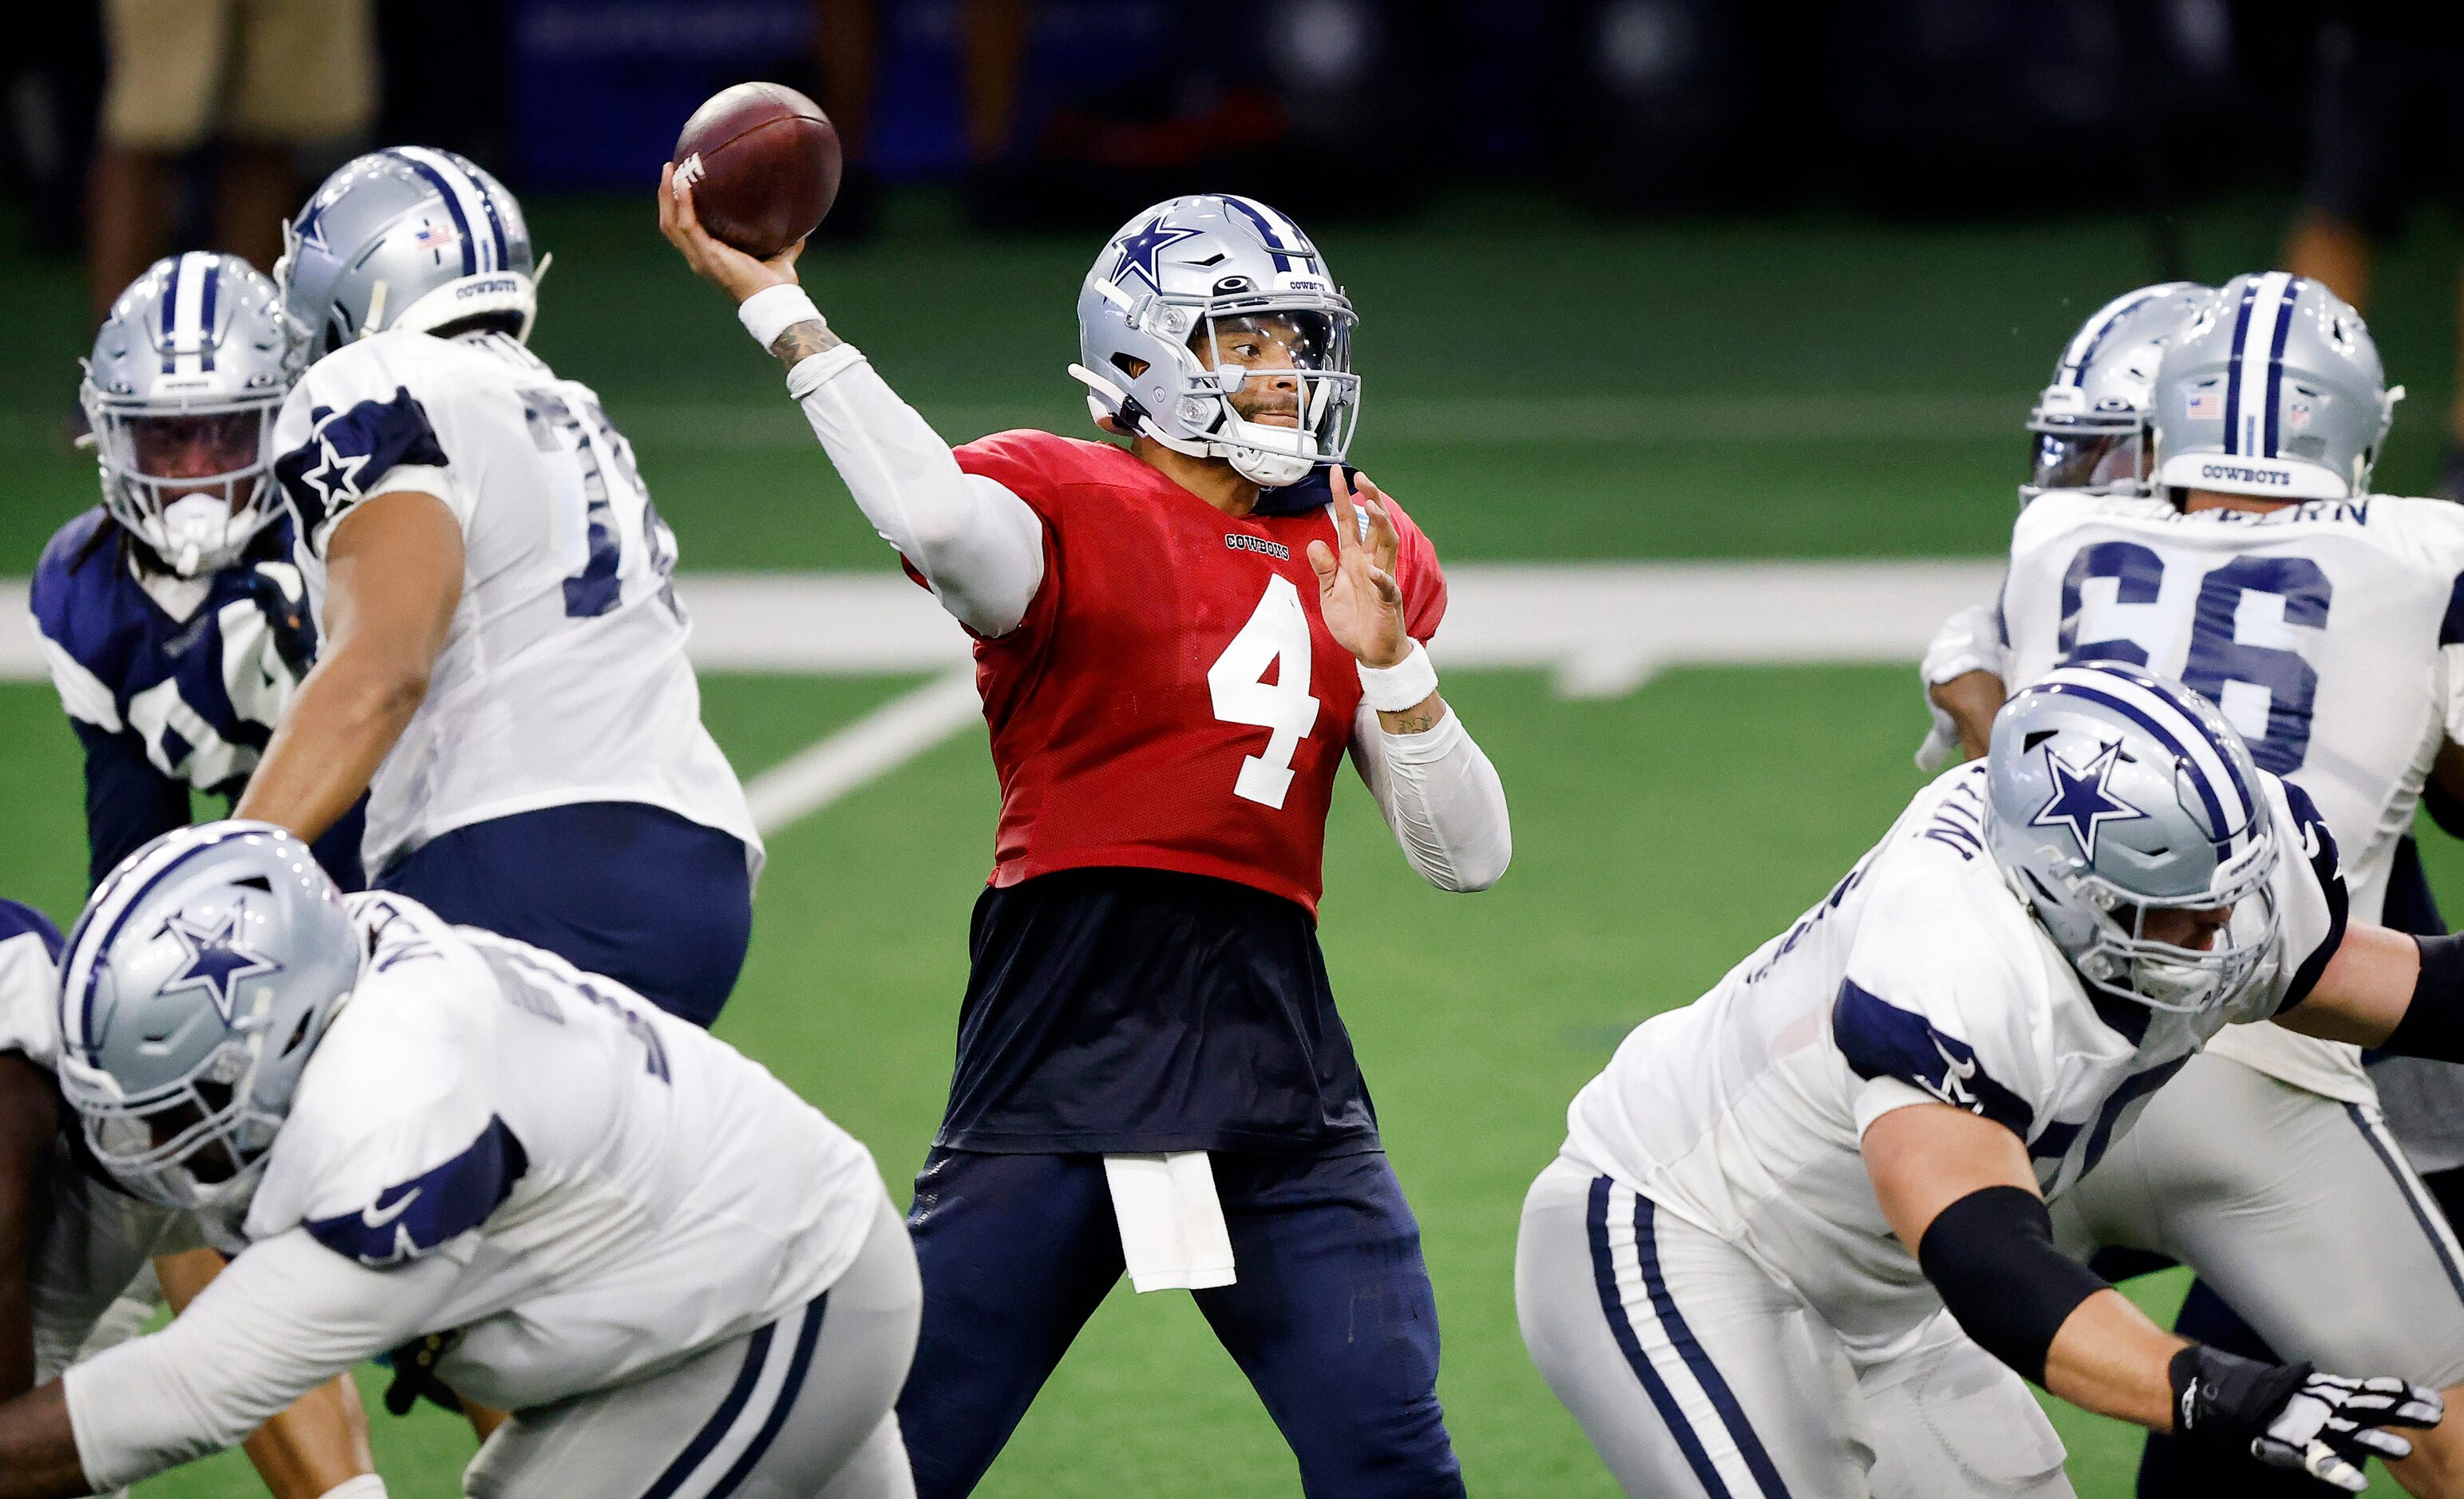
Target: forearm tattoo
801	342
1419	719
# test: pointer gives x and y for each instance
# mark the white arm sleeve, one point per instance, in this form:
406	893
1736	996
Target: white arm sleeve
1442	797
287	1315
978	546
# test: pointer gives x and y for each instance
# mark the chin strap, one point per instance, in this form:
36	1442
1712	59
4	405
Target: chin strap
1259	465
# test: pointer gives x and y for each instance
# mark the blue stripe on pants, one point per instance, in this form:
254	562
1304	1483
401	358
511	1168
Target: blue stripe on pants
2411	1199
1604	1275
1732	1415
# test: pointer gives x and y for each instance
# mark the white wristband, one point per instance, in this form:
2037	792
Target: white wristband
367	1486
1406	684
773	309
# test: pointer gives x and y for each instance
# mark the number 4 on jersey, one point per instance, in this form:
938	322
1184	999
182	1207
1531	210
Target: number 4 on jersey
1277	638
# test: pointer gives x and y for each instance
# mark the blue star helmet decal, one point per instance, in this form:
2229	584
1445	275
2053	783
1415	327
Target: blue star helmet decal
1138	253
2080	801
217	960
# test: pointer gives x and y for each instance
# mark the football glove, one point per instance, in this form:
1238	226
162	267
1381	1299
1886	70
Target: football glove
2294	1416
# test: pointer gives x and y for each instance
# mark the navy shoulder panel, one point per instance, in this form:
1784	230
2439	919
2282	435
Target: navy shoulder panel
16	919
82	598
2451	630
1882	1040
411	1218
346	451
2317	846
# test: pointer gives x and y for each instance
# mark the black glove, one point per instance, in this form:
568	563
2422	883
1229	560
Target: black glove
414	1375
2292	1417
294	638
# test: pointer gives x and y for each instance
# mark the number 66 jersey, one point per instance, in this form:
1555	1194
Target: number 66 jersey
564	676
2328	632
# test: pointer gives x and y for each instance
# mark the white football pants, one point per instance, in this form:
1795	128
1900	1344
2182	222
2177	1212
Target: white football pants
1694	1373
802	1409
2299	1210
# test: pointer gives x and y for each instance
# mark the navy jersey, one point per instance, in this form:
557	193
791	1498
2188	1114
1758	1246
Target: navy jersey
172	683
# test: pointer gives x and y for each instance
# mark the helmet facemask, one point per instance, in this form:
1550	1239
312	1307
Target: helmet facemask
2100	454
1268	390
193	482
198	1144
2123	962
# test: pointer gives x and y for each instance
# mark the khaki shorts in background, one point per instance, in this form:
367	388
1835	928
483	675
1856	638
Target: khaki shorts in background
273	72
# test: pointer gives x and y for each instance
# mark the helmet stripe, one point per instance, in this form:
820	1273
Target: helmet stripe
2233	371
1256	214
80	970
2276	358
424	163
171	316
2165	699
212	279
2083	345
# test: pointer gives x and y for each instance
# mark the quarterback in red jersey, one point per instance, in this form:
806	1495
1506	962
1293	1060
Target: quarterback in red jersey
1176	642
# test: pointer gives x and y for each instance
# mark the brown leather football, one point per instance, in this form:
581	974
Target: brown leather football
763	163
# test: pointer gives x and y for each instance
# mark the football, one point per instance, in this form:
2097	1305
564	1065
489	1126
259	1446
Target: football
764	164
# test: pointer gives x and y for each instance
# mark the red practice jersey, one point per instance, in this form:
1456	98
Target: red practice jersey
1173	699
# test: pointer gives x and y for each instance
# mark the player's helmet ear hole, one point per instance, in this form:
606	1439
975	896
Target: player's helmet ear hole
1130	364
298	1034
254	882
2035	740
336	335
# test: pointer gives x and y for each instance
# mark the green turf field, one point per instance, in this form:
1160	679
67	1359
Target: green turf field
1548	390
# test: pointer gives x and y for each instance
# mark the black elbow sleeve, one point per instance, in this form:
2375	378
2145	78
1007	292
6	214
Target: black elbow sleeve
1991	1256
2433	1025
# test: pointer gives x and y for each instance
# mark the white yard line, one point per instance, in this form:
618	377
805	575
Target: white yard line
1603	630
874	745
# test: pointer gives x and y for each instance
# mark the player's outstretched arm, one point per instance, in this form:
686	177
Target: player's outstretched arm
980	546
393	570
1960	1189
1963	671
315	1448
287	1315
1435	786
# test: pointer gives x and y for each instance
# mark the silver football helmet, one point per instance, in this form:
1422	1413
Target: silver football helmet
187	374
200	977
2091	423
1210	324
408	238
2112	795
2273	390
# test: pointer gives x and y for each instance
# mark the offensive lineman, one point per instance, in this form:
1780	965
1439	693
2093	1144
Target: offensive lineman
504	669
174	623
1174	655
2321	619
71	1244
682	1278
1736	1274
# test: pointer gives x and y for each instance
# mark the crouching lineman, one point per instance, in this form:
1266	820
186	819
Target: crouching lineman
2241	551
682	1278
73	1249
1777	1210
503	669
174	622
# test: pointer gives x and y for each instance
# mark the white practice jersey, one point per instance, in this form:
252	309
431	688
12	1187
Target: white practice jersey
97	1238
619	1189
564	678
2331	634
1920	977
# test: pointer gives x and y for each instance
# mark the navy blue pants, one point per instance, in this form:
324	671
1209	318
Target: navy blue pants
1331	1318
654	900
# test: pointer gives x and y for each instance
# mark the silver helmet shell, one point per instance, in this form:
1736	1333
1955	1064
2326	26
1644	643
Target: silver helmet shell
2273	390
1160	318
193	990
407	237
199	340
2091	424
2111	794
